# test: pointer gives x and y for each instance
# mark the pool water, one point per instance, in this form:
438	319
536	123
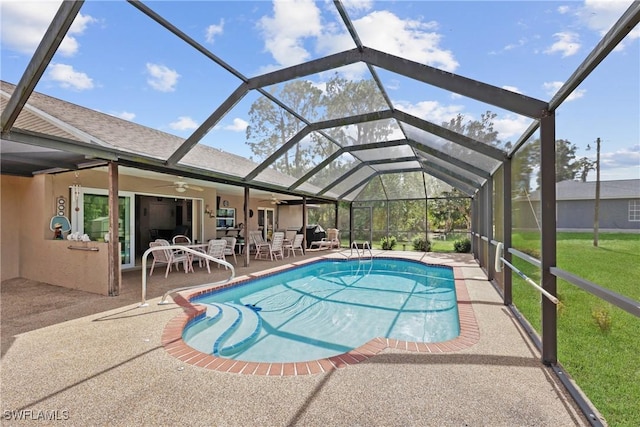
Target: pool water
327	308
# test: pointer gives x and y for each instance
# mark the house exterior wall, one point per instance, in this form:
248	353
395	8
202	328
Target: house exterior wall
614	214
11	189
579	215
28	248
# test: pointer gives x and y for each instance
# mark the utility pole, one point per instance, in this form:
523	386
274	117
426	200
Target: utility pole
596	215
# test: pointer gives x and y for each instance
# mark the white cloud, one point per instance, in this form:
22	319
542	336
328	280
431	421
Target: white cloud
125	115
431	111
214	30
624	157
295	25
183	123
162	78
411	39
563	10
23	24
552	87
510	125
354	6
567	43
511	88
238	125
68	78
284	32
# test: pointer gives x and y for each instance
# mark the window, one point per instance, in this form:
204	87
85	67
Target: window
634	210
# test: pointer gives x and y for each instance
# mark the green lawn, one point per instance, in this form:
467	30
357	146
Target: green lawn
603	358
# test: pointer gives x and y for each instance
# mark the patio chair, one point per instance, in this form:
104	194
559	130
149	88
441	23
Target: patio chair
262	247
216	250
333	236
169	257
295	244
276	248
230	249
332	240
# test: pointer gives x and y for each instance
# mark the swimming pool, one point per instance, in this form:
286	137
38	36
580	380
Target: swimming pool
326	308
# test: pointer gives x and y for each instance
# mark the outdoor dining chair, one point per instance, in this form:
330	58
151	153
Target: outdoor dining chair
169	257
295	244
276	247
216	249
262	247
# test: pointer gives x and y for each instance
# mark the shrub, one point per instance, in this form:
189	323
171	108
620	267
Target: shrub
420	244
602	318
462	246
388	243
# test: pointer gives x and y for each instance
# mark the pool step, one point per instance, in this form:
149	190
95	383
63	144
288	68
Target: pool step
225	329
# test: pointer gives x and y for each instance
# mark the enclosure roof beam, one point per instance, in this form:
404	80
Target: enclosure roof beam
492	95
327	124
341	151
449	159
41	58
376	174
468	190
449	135
452	174
343	177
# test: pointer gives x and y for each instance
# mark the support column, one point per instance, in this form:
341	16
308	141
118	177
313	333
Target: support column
247	241
115	276
350	223
489	228
304	223
548	236
507	229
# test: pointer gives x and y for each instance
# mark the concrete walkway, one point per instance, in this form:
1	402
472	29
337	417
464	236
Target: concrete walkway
91	360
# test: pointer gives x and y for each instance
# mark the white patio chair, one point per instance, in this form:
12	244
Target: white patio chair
230	249
276	247
262	247
216	250
295	244
169	257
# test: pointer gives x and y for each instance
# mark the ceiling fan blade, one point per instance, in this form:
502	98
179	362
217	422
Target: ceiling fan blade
193	187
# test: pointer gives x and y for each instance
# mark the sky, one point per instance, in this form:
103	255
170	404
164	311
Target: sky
118	61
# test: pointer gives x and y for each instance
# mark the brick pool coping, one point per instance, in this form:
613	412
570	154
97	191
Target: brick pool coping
176	347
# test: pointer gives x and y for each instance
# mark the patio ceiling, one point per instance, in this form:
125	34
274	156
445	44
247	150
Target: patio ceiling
407	146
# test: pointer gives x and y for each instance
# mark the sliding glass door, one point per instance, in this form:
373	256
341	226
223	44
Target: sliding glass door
90	215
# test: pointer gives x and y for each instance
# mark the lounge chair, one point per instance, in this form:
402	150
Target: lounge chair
332	240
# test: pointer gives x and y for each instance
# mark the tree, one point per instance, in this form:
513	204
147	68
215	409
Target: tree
271	126
452	210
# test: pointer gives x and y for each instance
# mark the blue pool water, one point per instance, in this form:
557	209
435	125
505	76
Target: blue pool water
327	308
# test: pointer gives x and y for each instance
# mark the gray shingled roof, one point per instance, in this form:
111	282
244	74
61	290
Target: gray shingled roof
55	117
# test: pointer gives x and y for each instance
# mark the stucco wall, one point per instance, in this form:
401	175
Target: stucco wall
10	225
28	247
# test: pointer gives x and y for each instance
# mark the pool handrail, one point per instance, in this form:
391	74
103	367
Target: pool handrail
200	254
365	246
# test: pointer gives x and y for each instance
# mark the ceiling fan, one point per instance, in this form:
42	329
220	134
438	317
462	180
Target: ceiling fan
274	200
182	186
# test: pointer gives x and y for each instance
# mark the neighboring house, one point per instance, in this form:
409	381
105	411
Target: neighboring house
575	206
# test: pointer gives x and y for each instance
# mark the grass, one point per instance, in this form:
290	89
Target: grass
598	344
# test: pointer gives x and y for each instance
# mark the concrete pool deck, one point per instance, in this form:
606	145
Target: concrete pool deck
85	359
